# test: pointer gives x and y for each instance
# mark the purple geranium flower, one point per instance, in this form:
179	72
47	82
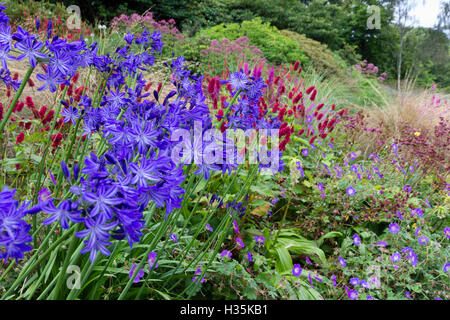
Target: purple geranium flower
395	257
297	270
305	152
139	275
447	232
352	294
259	239
446	267
356	240
342	261
394	228
423	240
152	259
350	191
240	242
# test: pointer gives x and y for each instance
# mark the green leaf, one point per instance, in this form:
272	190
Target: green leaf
284	262
329	235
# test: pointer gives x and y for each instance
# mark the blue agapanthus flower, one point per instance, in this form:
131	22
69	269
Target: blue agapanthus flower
30	49
98	236
63	213
14	230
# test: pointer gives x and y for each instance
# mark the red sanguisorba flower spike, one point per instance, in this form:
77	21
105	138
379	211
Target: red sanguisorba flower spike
296	65
60	123
70	90
211	86
147	86
320	106
332	122
29	102
310	89
75	77
42	112
79	90
20	138
313	95
297	98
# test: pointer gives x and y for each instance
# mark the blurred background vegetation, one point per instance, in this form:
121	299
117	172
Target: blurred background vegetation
323	33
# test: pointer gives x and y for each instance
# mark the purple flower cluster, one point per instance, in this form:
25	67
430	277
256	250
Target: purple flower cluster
14	230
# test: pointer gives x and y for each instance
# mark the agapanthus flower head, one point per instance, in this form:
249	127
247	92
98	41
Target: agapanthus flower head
14	230
65	170
239	81
98	237
63	213
31	49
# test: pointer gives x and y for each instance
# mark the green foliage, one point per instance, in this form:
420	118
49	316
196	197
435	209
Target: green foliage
322	59
276	47
19	10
